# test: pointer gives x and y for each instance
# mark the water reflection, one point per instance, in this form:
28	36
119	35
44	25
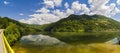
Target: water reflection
84	38
40	40
55	38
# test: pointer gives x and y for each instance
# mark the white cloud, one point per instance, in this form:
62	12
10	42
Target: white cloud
69	11
52	3
57	2
21	14
116	10
118	2
59	13
85	9
43	10
45	18
6	2
66	5
76	6
80	8
101	7
41	19
49	4
97	4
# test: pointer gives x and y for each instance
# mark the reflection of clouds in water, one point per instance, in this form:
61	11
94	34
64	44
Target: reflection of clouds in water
40	40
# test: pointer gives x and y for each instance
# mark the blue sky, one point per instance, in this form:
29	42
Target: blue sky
47	11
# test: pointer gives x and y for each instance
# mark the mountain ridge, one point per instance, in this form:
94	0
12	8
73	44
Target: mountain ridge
84	23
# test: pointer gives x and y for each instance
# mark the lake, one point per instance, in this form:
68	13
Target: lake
72	40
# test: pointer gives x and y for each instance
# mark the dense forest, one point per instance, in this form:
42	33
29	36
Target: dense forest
84	23
73	23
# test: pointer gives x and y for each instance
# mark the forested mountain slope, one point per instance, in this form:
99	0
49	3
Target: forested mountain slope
84	23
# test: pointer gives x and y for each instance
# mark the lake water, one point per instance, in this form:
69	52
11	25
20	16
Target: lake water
69	38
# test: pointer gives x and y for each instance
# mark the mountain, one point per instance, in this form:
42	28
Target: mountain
84	23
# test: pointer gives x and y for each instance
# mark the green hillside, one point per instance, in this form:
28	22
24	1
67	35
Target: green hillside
84	23
14	29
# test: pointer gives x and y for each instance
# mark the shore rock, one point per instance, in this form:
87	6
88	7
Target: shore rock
114	41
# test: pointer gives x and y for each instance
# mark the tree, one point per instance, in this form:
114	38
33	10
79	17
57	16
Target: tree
12	33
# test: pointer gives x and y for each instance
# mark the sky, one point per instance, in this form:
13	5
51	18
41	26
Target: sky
48	11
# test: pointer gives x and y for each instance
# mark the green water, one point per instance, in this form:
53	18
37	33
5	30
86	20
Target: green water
71	38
